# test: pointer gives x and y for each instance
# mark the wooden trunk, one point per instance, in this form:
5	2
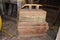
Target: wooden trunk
32	23
28	29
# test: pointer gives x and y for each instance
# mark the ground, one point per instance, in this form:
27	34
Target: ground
11	27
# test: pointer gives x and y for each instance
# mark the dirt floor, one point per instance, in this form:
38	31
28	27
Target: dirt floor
11	28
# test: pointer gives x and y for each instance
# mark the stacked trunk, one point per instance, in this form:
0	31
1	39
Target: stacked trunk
32	23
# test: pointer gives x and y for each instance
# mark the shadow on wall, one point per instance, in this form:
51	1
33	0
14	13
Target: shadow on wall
52	18
11	10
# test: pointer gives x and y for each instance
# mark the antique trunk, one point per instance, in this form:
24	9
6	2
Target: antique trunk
32	22
28	29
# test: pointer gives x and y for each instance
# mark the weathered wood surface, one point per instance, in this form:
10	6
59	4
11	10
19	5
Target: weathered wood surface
32	23
32	16
32	29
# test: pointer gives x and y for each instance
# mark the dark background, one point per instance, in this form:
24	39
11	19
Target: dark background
49	2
